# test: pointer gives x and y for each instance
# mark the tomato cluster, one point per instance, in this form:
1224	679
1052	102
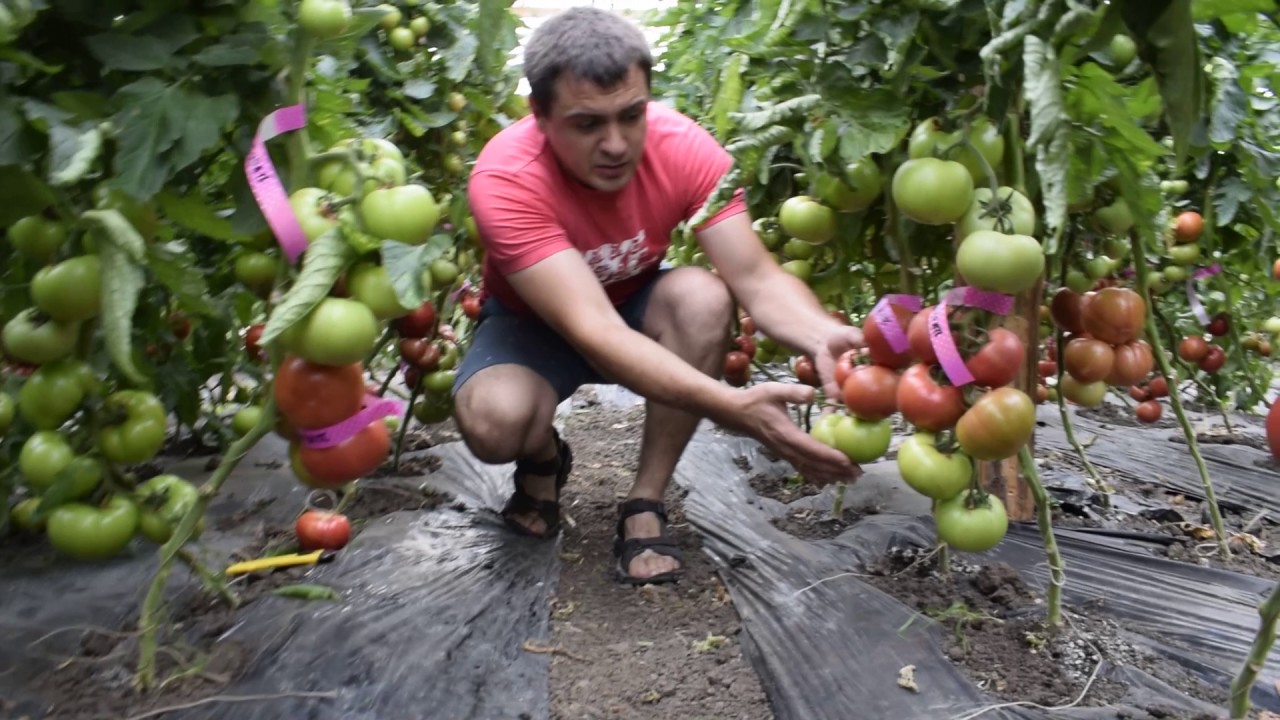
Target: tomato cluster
430	355
1103	342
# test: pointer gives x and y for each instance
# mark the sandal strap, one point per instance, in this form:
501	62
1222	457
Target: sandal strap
631	548
525	466
637	506
522	503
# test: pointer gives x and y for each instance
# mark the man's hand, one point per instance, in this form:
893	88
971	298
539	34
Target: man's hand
764	415
839	339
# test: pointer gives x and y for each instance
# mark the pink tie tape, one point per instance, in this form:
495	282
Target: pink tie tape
375	408
1193	299
265	183
944	345
883	316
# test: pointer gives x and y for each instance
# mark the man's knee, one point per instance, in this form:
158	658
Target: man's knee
693	303
502	412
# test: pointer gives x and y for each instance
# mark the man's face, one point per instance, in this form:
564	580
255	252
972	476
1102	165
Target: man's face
598	134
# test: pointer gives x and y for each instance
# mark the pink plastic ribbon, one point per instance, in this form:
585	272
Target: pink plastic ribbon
265	183
1193	299
944	345
884	317
375	408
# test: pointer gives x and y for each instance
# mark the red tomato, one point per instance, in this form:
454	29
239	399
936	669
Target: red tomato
746	344
1193	348
322	530
1213	360
1116	316
1188	227
870	392
252	338
312	396
736	363
997	362
1149	411
353	458
1088	360
1159	387
920	339
1139	393
925	403
997	425
471	306
1134	362
1042	394
1065	309
806	372
1220	325
1273	430
420	323
1047	368
845	364
748	325
878	345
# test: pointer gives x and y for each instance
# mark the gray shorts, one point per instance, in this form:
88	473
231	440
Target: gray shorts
502	336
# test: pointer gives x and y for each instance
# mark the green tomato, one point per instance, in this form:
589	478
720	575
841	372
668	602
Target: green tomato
70	291
338	331
975	529
801	269
311	208
456	101
929	471
1157	282
865	180
391	16
931	191
824	429
1174	187
380	170
434	408
1116	247
141	215
1099	266
36	341
798	249
439	382
402	39
928	140
1078	281
369	283
1122	50
406	214
1010	213
42	457
444	272
86	532
23	514
163	501
246	419
420	26
1185	254
1116	217
453	164
1270	326
1175	274
325	19
449	356
37	237
862	440
6	413
83	475
1002	263
53	393
139	436
257	271
804	218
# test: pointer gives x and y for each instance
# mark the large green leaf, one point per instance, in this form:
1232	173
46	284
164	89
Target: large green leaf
131	52
459	58
146	132
406	263
1229	104
193	213
1203	10
122	250
1166	38
1042	87
180	276
73	149
875	122
323	262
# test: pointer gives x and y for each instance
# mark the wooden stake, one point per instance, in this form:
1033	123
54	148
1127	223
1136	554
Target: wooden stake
1002	478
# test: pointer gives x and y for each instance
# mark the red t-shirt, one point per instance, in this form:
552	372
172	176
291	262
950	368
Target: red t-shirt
527	207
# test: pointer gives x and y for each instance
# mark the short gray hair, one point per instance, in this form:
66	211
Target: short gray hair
588	43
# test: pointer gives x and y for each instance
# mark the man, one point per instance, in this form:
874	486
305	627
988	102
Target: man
575	206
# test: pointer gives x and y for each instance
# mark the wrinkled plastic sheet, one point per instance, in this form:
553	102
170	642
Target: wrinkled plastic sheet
833	649
437	605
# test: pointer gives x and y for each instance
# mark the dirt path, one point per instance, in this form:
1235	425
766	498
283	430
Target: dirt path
655	652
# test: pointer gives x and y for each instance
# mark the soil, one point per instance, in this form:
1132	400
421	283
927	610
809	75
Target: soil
657	652
779	487
996	634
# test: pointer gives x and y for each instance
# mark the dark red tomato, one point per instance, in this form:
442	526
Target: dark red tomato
1134	362
1273	430
925	403
1065	309
252	338
1220	325
870	392
845	364
878	345
1159	387
1051	349
1149	411
471	306
1213	360
746	344
419	323
736	363
748	325
1139	393
1193	348
997	362
179	324
1047	368
806	372
1088	360
919	338
1115	316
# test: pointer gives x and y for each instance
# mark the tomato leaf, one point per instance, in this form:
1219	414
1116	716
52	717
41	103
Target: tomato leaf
323	262
1229	106
63	490
1203	10
1166	38
1050	134
122	251
193	213
406	263
180	276
308	592
21	194
876	120
137	53
460	56
17	141
729	97
782	112
1227	199
72	152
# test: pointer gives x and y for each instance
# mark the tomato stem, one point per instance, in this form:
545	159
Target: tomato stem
213	584
1044	520
1166	370
404	426
837	506
1269	610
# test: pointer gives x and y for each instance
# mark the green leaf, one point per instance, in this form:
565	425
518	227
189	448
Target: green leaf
1049	135
146	132
729	97
138	53
1205	10
122	250
193	213
231	50
199	120
72	152
180	276
1228	196
17	143
875	122
782	112
489	22
81	105
308	592
405	263
459	58
323	262
1229	105
21	194
419	88
1166	38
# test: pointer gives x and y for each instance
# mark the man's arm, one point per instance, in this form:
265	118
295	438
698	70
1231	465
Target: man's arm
566	294
780	304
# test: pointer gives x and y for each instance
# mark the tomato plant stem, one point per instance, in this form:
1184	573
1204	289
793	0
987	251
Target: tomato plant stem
1269	610
1044	520
837	507
148	622
404	425
1166	370
298	143
1014	159
213	583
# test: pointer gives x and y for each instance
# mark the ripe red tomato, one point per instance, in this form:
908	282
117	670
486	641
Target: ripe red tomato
997	362
252	338
1088	360
748	325
1275	269
312	396
1213	360
179	324
1158	387
322	530
420	323
1047	368
1115	316
806	372
1051	349
878	345
997	425
925	403
1139	393
1066	310
1149	411
471	306
1273	430
1264	348
353	458
919	338
746	344
870	392
845	364
1042	394
1193	348
1188	227
1220	325
420	353
736	363
1134	362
